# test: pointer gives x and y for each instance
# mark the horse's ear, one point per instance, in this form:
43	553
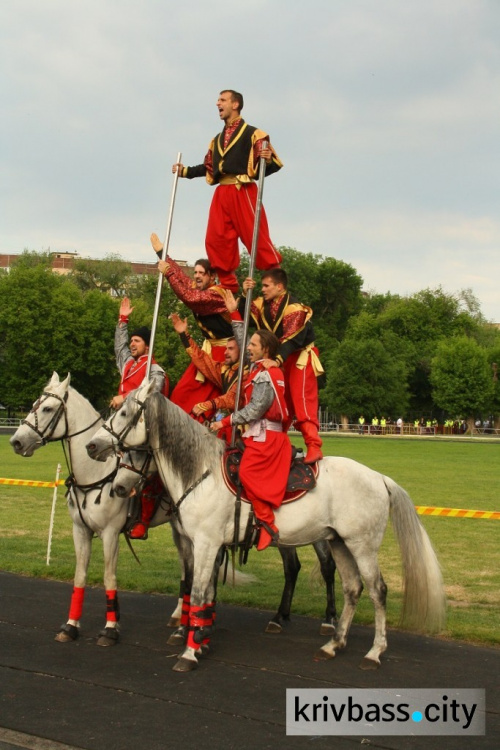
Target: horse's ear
146	387
54	379
65	383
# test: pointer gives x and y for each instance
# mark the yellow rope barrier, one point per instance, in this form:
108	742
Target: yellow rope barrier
29	483
458	512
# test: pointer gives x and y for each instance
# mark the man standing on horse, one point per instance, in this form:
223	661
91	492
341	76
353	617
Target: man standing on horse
232	164
265	464
290	320
131	360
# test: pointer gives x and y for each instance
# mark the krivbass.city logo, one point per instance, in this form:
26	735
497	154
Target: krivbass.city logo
384	711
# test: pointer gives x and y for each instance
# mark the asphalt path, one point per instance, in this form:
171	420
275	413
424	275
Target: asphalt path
79	696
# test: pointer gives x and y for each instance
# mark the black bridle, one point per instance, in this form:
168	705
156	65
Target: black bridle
119	437
142	470
47	434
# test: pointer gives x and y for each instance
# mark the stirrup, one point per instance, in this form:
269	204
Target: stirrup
275	535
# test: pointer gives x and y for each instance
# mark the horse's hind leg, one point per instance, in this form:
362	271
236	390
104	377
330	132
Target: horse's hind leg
369	569
352	587
291	568
82	538
327	564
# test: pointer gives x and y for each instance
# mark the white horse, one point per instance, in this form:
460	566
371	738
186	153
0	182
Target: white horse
349	507
61	413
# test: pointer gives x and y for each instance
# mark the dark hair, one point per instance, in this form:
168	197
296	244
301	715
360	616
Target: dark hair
235	97
206	265
278	275
268	341
142	333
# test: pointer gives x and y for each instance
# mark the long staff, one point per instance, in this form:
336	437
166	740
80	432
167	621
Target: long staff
248	303
160	276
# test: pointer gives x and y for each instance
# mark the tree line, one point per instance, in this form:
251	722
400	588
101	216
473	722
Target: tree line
431	353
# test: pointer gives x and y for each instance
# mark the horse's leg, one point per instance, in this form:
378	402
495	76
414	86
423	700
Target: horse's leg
210	607
291	568
352	587
82	539
370	571
327	564
110	635
202	598
175	617
185	551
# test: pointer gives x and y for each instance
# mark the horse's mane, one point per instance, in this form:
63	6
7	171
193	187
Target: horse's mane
84	398
183	441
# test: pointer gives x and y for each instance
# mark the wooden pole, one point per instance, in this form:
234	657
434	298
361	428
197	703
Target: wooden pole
160	276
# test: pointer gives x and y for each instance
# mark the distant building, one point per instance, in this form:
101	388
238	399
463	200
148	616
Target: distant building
62	263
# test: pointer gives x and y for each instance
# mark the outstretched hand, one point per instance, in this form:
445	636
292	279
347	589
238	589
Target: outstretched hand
125	308
230	300
180	326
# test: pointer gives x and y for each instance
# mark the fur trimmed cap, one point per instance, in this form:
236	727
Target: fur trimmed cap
143	333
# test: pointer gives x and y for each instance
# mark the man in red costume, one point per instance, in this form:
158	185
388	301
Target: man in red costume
290	320
205	299
224	375
232	163
131	360
265	464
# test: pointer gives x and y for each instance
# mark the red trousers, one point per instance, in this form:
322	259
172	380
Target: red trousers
188	392
264	472
301	393
231	217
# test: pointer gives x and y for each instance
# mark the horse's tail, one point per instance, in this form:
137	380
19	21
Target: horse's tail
424	602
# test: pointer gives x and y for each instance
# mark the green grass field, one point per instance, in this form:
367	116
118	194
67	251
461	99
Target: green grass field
451	473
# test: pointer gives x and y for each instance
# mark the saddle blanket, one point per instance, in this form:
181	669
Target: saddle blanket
301	479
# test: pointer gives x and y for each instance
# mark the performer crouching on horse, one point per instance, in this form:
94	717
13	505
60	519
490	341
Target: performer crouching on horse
266	459
131	360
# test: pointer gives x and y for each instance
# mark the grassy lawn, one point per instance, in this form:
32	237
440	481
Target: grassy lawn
451	473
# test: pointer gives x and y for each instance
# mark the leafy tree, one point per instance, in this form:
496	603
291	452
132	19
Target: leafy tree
461	377
363	378
47	324
112	274
32	258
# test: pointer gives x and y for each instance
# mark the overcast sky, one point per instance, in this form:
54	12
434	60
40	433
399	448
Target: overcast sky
385	113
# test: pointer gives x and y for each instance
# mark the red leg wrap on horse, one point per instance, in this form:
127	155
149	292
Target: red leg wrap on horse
112	606
186	606
76	606
199	617
206	640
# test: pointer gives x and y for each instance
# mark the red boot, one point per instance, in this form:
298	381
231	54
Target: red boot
313	442
265	538
148	503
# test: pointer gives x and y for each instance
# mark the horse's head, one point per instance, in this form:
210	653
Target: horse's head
47	420
126	428
133	470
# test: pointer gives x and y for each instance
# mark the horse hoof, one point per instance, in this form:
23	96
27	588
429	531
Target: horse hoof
174	622
108	637
67	633
327	629
322	655
273	627
185	665
369	664
176	639
204	649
